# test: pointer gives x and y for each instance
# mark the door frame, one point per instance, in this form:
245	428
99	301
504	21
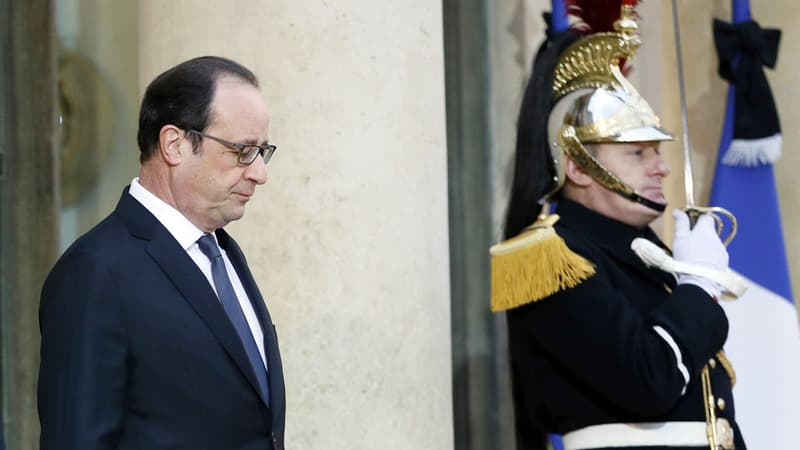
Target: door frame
29	199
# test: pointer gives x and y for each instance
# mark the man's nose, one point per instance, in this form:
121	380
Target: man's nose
256	172
661	167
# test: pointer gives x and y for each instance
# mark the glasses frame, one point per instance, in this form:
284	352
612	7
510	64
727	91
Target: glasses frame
266	151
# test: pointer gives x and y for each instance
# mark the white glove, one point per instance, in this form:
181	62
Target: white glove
700	246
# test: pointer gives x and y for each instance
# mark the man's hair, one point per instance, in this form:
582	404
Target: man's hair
182	96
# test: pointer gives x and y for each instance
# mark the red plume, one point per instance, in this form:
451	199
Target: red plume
596	16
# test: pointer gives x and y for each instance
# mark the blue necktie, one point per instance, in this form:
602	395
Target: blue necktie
227	296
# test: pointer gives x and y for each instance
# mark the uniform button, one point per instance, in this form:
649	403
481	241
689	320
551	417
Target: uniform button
721	404
712	363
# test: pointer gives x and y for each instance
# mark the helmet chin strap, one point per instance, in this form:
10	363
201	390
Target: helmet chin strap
634	197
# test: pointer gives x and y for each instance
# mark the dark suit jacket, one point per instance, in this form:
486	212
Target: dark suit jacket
138	353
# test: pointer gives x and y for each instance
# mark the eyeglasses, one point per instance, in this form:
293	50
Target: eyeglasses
247	152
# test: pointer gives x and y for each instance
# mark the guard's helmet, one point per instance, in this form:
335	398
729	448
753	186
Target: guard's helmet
588	101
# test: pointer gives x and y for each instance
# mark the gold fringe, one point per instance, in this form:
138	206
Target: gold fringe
533	265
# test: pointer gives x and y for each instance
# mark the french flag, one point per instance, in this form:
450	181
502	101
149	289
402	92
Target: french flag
764	338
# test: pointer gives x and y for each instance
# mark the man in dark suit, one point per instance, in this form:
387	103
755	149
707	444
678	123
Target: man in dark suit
154	333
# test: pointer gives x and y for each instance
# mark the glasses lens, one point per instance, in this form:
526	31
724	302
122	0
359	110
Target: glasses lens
249	154
269	152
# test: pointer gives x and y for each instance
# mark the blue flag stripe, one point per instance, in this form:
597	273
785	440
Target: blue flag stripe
758	251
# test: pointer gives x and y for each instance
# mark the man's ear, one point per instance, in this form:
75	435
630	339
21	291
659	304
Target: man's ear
172	144
575	173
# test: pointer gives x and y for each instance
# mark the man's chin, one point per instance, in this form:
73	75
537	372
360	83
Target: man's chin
660	205
654	196
232	214
655	201
645	215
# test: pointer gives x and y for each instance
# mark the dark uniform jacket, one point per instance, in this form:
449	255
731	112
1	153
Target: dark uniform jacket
590	355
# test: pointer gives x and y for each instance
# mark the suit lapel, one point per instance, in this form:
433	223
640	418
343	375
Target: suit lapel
187	279
275	369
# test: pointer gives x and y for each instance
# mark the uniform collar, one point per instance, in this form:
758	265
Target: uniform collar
605	230
611	235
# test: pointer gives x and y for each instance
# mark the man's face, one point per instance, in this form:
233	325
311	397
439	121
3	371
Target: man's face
211	188
640	166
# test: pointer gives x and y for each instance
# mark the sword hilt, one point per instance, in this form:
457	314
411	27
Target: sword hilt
694	213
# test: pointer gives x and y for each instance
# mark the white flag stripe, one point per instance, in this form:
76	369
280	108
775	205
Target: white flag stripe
764	348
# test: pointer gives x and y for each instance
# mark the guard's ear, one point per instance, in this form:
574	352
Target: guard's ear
575	173
173	143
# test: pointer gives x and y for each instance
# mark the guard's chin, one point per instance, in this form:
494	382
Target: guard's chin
654	195
653	199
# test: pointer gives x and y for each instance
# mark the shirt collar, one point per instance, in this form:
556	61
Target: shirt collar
184	231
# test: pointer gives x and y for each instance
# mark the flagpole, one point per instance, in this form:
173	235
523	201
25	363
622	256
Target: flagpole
558	18
558	22
741	10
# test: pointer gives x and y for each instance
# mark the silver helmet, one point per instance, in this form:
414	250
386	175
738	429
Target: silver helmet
595	103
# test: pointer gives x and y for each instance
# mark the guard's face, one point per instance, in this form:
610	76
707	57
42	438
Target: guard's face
640	166
211	188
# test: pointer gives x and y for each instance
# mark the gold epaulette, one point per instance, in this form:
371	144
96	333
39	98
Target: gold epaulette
533	265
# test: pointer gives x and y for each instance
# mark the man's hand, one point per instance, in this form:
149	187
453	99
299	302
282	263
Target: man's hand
699	246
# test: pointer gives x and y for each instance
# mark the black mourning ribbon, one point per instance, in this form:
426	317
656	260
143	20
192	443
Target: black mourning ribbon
744	49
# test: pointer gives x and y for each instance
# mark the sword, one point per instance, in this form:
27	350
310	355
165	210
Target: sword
694	212
692	209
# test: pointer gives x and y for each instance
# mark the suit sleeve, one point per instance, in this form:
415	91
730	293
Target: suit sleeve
597	335
82	376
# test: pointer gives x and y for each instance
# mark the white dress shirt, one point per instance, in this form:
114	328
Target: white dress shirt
187	235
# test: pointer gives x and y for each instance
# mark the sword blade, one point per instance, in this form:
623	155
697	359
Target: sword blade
688	180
